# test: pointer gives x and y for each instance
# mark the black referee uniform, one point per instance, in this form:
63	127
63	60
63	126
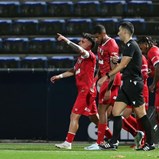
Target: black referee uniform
132	87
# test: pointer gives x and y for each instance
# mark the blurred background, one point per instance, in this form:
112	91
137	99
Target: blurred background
31	107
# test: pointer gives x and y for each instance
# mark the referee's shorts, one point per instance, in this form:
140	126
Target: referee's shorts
131	93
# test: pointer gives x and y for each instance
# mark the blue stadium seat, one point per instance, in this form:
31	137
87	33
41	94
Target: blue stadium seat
139	25
112	8
139	8
51	26
152	28
24	27
9	9
5	27
33	9
15	45
34	62
109	23
86	8
60	8
9	62
78	26
61	62
42	45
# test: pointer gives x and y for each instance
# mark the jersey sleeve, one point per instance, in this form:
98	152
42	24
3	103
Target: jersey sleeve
154	56
129	50
113	48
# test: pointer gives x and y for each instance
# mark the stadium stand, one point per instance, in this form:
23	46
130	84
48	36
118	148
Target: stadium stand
30	27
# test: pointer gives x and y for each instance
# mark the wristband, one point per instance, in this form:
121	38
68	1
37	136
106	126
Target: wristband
107	74
61	76
68	42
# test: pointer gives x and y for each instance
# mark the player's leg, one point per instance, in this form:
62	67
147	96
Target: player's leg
157	102
142	116
73	127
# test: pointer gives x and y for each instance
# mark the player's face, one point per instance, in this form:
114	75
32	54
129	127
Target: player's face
99	38
121	33
85	43
144	48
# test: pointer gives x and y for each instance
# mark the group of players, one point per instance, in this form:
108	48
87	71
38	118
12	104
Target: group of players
119	94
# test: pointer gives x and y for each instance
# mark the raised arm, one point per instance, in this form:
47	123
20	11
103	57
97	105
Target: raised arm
74	46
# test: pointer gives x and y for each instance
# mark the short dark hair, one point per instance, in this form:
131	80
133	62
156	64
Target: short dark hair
129	26
90	38
99	29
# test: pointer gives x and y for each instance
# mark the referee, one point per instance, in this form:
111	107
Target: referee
130	92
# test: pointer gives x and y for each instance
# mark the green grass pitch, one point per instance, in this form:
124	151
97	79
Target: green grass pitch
49	151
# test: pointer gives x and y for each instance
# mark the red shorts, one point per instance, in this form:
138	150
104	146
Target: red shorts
114	93
85	103
157	99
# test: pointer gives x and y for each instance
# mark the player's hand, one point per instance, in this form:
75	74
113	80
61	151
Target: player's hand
54	78
151	88
101	80
107	95
61	38
115	59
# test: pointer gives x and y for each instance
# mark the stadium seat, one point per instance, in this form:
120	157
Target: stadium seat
78	26
51	26
33	9
9	62
60	8
109	23
152	27
41	45
61	62
139	8
34	62
139	25
86	8
24	27
5	27
9	9
112	8
63	48
155	9
15	45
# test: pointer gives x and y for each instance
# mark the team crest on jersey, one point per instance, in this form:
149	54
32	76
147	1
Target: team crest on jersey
79	61
100	51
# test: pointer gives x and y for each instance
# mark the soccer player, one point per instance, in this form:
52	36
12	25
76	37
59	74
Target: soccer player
151	51
108	89
130	92
84	74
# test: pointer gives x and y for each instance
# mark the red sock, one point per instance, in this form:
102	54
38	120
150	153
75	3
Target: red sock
70	137
108	133
101	133
132	121
126	126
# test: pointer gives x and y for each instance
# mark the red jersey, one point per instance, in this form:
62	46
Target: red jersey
105	52
84	71
153	59
144	69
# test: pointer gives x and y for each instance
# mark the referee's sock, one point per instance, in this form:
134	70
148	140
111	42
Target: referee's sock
147	127
117	126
